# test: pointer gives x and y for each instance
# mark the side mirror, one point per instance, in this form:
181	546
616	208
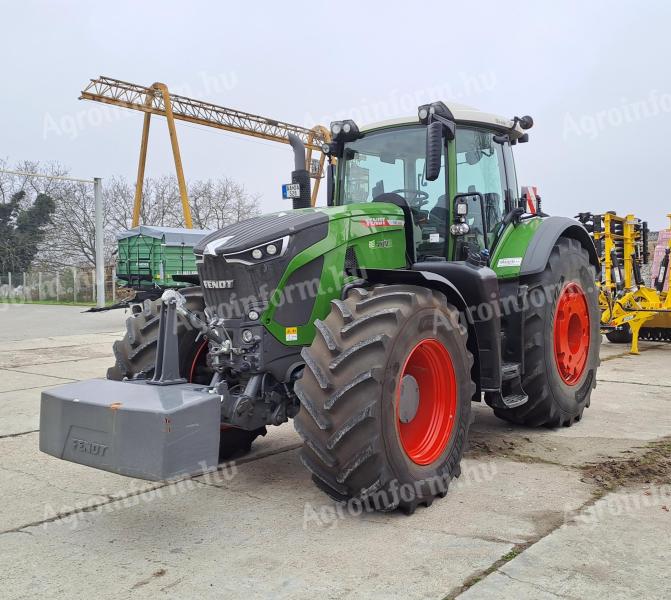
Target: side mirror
434	149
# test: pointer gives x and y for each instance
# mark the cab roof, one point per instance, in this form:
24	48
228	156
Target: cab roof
463	114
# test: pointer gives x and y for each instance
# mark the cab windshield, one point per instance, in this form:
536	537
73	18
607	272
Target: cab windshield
391	161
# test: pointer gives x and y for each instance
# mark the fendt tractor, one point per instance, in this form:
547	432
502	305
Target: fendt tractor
374	322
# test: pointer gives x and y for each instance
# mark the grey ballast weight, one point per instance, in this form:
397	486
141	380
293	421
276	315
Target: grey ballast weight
131	428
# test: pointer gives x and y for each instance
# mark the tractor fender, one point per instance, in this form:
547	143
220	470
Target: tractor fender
418	278
546	236
482	333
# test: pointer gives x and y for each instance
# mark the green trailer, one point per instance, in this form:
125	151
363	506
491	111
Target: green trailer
148	257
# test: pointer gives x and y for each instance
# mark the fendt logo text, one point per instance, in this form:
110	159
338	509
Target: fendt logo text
87	447
221	284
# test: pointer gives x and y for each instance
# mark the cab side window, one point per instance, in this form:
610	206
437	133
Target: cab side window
513	189
481	168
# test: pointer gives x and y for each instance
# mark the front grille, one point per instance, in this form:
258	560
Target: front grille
250	286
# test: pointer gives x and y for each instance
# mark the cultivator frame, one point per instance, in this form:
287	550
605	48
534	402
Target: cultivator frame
627	304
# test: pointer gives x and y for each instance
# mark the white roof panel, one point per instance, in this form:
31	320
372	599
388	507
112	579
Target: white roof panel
462	113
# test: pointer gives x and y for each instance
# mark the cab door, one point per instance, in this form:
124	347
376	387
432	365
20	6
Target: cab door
480	168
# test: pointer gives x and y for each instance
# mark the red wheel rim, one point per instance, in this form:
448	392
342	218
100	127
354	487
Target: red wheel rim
196	360
200	357
425	437
571	333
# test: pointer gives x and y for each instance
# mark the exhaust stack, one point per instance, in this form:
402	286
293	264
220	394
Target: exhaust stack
300	174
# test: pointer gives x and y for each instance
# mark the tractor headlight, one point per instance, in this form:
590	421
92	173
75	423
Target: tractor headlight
261	253
247	336
253	315
459	229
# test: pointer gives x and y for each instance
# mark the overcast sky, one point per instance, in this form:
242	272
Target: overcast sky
594	75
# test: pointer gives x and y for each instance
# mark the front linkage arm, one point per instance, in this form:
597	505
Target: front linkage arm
261	402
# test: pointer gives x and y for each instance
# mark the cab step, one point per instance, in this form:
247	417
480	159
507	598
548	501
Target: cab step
511	394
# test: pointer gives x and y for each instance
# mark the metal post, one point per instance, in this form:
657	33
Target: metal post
57	287
39	286
114	284
10	291
100	249
74	285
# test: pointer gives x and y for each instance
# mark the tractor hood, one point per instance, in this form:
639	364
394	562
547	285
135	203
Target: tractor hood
257	231
245	235
242	264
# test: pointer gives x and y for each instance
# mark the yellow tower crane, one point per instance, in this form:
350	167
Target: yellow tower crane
157	100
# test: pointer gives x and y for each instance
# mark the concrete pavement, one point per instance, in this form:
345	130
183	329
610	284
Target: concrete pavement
527	519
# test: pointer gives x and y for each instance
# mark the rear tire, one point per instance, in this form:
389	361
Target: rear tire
136	355
559	384
355	445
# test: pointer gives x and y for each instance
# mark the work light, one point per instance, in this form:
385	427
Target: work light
345	131
435	108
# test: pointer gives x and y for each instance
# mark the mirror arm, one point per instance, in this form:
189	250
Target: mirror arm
330	182
450	126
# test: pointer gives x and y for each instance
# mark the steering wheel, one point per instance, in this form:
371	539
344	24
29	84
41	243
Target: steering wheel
420	197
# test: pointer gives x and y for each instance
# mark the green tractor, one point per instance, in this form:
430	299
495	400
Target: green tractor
374	322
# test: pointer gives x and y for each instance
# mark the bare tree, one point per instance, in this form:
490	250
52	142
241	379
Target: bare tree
71	239
32	186
215	203
118	198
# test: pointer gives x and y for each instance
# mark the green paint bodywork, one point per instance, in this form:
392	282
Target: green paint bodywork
512	247
376	231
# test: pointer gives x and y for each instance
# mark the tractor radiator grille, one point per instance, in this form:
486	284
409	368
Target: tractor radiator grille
231	289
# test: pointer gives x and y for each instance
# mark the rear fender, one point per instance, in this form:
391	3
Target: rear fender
524	248
546	236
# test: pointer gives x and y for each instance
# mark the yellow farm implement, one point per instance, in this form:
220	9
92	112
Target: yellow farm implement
631	309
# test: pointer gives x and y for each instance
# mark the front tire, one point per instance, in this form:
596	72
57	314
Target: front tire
386	398
136	355
561	340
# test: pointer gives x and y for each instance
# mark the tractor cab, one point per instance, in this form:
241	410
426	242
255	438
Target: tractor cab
458	210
